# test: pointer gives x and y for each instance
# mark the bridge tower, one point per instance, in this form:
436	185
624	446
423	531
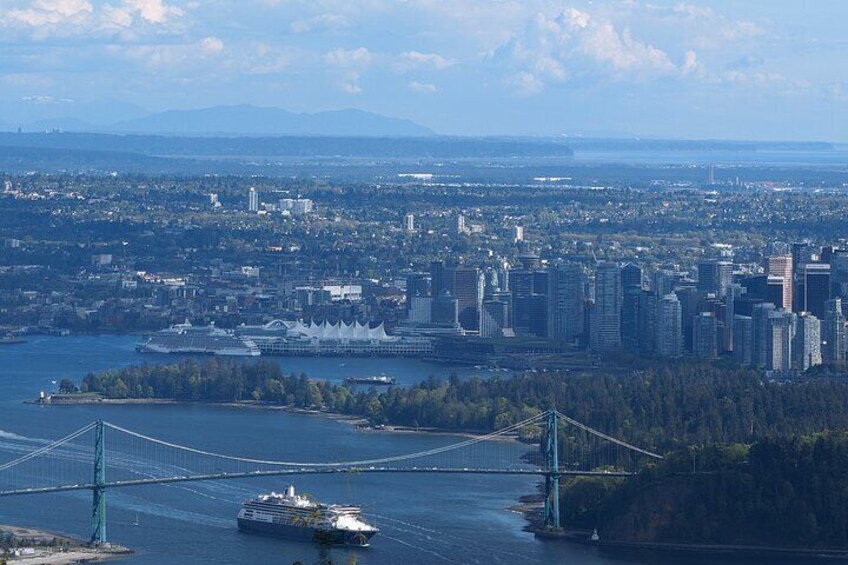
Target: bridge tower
552	476
98	505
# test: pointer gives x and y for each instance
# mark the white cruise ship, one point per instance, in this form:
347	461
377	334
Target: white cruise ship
199	340
295	516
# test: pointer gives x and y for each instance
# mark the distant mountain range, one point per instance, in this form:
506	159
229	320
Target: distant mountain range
243	120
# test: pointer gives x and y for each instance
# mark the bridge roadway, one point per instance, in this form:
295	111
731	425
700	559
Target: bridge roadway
310	471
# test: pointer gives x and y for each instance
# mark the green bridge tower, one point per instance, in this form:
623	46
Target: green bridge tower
98	505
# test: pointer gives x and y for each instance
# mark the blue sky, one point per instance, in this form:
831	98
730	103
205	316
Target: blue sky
749	69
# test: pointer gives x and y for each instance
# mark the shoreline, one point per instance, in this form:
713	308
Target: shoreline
359	422
43	547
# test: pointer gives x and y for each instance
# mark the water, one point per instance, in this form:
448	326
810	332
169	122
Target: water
423	518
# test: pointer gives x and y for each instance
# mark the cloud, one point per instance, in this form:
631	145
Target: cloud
415	60
51	100
360	57
422	87
49	12
321	22
348	65
576	45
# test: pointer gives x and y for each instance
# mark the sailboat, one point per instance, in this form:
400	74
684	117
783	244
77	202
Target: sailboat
136	519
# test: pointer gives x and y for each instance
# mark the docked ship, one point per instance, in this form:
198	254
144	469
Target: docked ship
295	516
297	338
199	340
372	380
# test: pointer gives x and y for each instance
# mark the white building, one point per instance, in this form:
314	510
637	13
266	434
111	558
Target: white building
252	200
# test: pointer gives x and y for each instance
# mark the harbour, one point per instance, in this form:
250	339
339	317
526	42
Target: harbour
432	518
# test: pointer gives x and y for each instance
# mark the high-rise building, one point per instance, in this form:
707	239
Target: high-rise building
781	266
668	327
566	298
631	282
460	225
734	293
409	223
760	333
780	325
833	332
711	174
816	288
742	339
468	287
529	301
839	275
647	322
517	234
495	318
714	277
421	310
705	336
417	284
445	309
664	281
806	347
605	326
252	200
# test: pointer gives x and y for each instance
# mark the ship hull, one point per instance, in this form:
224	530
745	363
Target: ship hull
305	533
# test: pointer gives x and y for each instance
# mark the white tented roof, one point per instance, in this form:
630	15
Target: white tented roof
340	331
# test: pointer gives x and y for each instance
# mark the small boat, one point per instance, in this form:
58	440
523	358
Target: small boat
372	380
136	519
10	339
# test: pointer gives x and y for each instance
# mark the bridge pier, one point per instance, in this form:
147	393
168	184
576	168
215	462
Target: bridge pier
552	476
98	505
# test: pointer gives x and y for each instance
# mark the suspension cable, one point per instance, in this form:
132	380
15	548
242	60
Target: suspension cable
49	447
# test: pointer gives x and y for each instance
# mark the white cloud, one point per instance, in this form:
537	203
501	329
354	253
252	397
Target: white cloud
153	11
422	87
211	44
49	12
321	22
416	60
360	57
573	45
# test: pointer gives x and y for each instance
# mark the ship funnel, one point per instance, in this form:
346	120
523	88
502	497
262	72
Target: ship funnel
290	491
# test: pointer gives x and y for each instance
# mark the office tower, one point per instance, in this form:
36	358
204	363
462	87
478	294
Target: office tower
775	288
779	341
711	174
445	309
252	200
647	322
409	223
826	253
468	286
760	333
517	234
495	318
816	288
806	347
437	278
664	282
417	284
213	198
839	275
714	277
690	302
605	326
742	339
668	327
781	266
566	298
705	336
801	255
631	282
421	309
734	293
833	332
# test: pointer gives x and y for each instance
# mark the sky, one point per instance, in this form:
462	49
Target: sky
719	69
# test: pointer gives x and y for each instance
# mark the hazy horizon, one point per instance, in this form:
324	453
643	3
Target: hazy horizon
674	70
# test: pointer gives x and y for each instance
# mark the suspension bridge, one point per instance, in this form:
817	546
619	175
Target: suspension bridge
103	456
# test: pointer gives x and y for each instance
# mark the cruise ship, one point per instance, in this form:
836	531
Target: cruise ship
202	340
295	516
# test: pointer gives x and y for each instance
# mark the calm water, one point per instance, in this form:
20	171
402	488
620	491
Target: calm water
423	518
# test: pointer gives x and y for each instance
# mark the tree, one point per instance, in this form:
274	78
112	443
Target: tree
67	386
